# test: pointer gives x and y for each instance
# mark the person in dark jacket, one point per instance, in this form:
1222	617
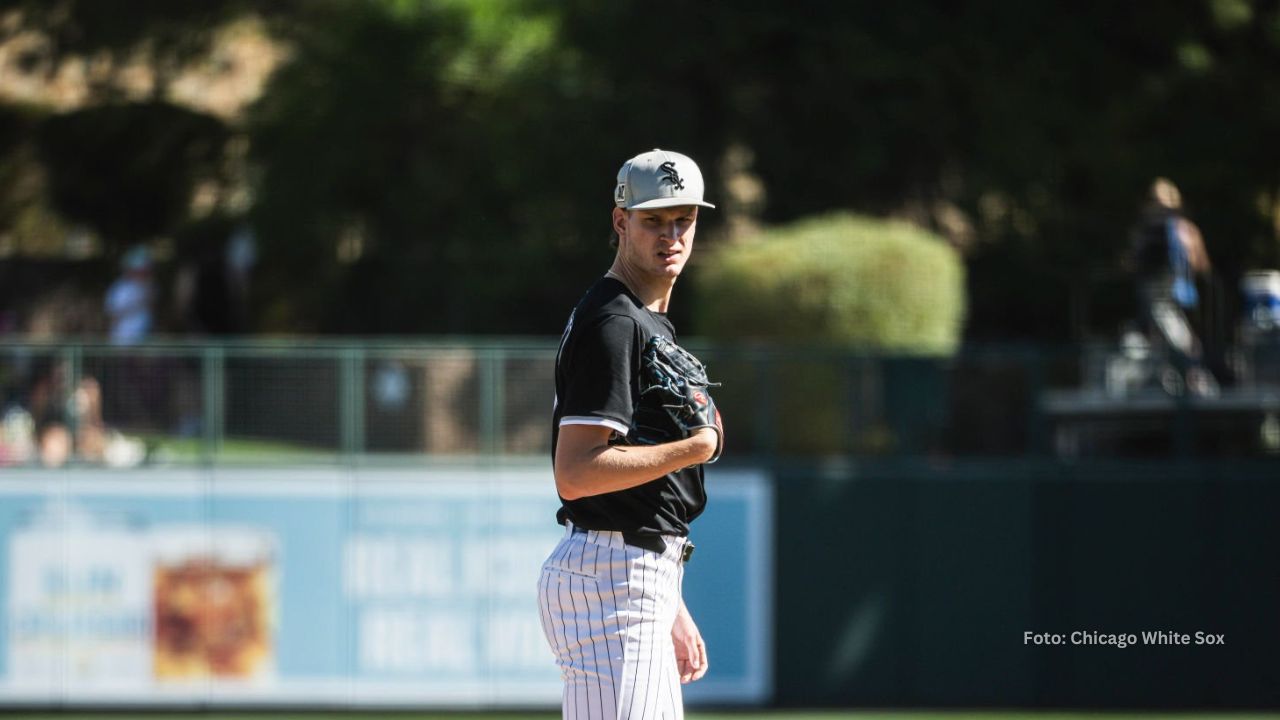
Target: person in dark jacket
1168	253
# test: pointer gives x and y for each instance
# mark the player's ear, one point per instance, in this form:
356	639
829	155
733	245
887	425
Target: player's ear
620	223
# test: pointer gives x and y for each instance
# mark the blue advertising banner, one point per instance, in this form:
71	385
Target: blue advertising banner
389	587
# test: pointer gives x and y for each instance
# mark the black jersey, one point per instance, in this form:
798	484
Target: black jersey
598	383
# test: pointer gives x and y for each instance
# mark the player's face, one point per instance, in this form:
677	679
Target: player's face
656	242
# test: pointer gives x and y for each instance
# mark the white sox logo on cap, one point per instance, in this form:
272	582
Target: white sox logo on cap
671	176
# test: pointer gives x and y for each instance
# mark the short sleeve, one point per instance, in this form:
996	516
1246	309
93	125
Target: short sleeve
598	375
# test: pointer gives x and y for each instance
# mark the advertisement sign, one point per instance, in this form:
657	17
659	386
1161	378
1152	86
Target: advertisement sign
328	587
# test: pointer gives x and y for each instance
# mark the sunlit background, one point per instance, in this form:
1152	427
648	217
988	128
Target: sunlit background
992	290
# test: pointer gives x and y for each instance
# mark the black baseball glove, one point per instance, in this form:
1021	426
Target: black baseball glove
679	382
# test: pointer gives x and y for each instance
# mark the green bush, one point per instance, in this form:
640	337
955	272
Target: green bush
841	278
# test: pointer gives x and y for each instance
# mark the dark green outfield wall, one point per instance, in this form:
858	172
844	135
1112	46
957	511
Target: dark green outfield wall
911	584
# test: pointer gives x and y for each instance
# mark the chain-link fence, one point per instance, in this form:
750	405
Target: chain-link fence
346	402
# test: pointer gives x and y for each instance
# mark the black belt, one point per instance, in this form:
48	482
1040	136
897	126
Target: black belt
654	543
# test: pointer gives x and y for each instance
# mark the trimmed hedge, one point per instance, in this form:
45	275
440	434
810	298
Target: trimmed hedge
841	278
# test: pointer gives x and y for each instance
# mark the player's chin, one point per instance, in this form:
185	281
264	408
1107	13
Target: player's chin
671	269
675	259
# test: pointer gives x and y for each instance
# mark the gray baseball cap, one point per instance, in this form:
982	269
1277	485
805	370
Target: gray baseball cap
658	179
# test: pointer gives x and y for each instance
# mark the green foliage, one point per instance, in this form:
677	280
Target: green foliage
425	167
128	170
430	167
170	31
840	278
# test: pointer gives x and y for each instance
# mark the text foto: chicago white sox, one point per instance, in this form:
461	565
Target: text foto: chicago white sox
1123	640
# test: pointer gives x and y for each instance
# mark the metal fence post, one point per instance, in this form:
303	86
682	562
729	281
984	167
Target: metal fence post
73	356
492	398
214	389
351	403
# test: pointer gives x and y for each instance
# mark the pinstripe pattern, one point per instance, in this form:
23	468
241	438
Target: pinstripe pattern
607	610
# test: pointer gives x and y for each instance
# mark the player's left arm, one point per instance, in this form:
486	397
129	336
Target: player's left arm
691	650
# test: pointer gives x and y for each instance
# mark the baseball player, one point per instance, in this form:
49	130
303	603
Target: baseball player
631	428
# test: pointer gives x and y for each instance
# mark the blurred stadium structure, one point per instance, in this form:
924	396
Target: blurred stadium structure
335	401
920	514
928	513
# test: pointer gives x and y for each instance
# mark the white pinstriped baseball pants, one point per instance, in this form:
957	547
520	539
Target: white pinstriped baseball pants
607	610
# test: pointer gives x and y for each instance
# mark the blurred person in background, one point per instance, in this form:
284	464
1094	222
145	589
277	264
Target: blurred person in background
1167	254
17	434
241	256
71	426
53	446
139	388
129	299
211	285
54	413
50	412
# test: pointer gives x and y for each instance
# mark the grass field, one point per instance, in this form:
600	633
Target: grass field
189	451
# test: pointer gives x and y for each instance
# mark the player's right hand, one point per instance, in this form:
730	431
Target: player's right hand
691	649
